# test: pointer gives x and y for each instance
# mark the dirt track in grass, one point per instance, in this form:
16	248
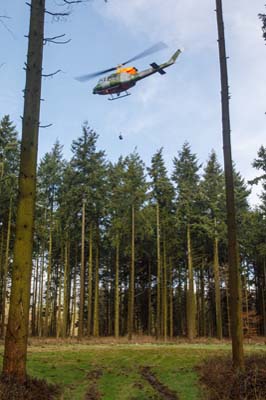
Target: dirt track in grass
93	392
160	388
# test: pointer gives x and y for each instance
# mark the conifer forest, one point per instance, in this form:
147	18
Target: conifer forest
123	278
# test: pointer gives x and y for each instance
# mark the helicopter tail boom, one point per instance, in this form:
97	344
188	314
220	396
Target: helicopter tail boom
175	56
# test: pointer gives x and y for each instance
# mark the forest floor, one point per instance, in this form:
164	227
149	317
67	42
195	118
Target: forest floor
106	369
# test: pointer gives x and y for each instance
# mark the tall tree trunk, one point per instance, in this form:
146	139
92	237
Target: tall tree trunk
263	298
218	311
227	301
59	313
82	274
233	256
1	271
40	306
18	321
48	289
171	305
190	293
117	287
202	302
5	270
34	301
164	292
74	303
66	290
158	306
131	294
96	288
149	299
90	282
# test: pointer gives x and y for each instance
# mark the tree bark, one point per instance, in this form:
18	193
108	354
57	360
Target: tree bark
82	274
233	256
17	330
218	312
90	282
158	309
131	278
164	293
96	289
117	288
149	299
5	270
191	317
66	290
48	289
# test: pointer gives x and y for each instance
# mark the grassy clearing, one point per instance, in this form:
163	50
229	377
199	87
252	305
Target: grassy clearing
117	368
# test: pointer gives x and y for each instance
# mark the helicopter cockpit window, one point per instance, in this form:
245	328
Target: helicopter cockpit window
111	77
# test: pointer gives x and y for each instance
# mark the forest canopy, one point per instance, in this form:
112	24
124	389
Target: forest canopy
108	234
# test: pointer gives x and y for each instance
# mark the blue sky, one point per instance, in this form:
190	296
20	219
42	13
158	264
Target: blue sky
163	111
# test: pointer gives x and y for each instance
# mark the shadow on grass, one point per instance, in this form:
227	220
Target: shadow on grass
33	389
223	383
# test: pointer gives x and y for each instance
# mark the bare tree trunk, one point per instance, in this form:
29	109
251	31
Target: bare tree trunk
5	270
90	282
218	312
164	292
117	288
149	299
18	321
202	302
34	301
59	313
74	303
131	294
48	288
40	307
82	274
1	271
66	290
191	316
171	305
158	309
96	288
233	256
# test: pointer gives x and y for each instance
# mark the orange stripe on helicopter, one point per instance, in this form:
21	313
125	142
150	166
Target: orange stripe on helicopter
128	70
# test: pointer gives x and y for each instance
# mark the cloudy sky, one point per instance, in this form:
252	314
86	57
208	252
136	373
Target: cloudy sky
163	111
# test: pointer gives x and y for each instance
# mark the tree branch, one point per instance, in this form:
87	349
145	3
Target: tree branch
45	126
52	74
53	40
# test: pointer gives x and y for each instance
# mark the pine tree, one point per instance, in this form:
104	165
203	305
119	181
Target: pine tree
263	19
213	223
163	193
135	188
9	163
186	177
90	180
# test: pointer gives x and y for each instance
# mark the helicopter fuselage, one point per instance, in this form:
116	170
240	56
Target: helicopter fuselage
125	78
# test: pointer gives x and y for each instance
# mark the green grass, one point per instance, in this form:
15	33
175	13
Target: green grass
174	365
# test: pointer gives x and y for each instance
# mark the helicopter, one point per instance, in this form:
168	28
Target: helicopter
125	78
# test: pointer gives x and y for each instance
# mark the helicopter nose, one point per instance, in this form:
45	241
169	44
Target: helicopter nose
94	91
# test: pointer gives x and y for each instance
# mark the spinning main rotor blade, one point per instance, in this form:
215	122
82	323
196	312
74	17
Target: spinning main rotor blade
156	47
87	77
153	49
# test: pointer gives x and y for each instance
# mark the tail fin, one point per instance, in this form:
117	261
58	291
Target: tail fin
174	56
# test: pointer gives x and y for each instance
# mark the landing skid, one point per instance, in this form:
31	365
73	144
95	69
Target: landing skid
117	97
